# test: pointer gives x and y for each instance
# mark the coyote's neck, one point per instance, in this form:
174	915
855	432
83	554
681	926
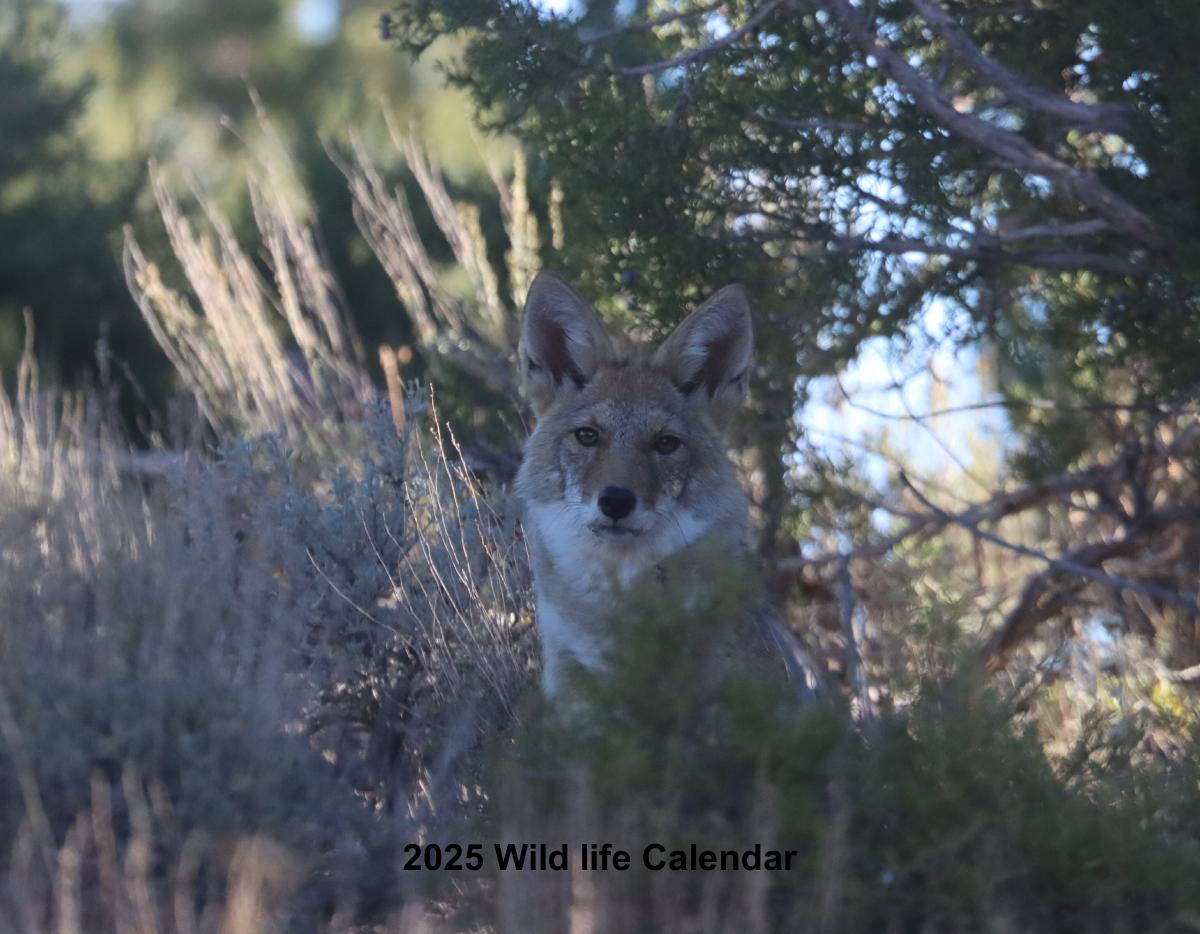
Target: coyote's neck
579	580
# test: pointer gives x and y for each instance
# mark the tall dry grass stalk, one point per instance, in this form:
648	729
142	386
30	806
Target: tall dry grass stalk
50	441
292	639
476	331
270	349
297	670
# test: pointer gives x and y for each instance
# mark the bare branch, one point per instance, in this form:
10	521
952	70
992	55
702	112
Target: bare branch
1083	561
1044	594
1185	675
938	440
979	251
1045	231
821	123
1041	405
1011	148
989	511
1106	117
664	20
816	244
753	22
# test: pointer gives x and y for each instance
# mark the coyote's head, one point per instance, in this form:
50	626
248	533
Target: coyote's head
626	464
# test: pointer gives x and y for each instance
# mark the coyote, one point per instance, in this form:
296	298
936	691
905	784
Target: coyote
625	467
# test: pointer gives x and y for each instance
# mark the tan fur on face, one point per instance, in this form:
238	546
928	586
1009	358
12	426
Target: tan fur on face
631	403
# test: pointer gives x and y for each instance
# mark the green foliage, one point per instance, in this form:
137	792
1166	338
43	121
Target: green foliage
757	156
60	209
948	815
967	821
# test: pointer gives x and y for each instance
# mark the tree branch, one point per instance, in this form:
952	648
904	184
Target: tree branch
1044	596
753	22
1041	405
992	510
979	251
647	25
1011	148
1105	117
1042	231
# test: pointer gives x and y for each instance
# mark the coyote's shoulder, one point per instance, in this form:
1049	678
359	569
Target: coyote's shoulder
626	467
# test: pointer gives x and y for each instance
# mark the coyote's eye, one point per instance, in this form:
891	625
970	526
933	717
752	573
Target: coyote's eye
588	437
666	444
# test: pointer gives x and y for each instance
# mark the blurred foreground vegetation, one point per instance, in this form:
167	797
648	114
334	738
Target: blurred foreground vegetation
266	608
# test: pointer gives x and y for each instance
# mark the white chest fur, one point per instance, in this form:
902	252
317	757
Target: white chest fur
580	573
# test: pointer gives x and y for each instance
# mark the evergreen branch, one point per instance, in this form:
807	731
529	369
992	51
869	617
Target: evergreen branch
1010	148
665	20
978	248
1104	117
692	56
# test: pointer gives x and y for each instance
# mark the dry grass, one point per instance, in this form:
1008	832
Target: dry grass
259	356
232	677
275	679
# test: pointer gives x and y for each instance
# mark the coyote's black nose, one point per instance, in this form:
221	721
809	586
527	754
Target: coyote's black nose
616	502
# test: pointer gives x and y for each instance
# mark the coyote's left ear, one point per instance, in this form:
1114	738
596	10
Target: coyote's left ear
709	353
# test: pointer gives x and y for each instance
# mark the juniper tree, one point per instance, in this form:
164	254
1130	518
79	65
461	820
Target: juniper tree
978	150
1028	165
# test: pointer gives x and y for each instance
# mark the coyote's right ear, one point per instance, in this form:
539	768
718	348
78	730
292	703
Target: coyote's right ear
563	342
